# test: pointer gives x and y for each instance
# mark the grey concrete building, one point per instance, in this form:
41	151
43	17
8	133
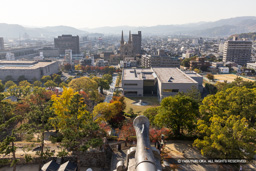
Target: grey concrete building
30	69
161	82
49	52
251	66
148	61
136	43
237	51
1	43
67	42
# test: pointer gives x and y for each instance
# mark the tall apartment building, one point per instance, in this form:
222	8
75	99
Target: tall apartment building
237	51
148	61
1	43
67	42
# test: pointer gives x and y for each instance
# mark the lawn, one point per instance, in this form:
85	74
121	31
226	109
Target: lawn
152	102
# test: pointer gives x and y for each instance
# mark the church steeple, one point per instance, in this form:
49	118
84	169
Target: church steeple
130	38
122	38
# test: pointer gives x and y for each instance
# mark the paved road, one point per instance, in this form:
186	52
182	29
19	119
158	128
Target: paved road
111	90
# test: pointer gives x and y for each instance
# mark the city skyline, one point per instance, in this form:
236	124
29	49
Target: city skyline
91	14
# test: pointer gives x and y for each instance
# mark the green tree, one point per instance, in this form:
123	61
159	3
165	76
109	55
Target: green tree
194	93
105	111
186	62
233	101
15	91
226	137
178	113
46	78
69	79
40	112
197	70
151	113
89	86
227	124
75	123
63	84
1	86
57	78
84	83
210	77
238	82
107	77
37	84
50	84
9	84
8	129
8	78
103	84
21	78
24	83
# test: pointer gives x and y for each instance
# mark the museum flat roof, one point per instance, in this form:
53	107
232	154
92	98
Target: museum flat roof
172	75
138	74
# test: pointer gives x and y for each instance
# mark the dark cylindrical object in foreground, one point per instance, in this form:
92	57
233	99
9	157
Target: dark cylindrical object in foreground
144	156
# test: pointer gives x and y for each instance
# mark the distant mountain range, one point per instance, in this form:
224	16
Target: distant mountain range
16	31
220	28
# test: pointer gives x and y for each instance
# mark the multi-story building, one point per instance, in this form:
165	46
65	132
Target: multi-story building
237	51
106	55
133	46
50	52
148	61
200	63
30	69
86	61
68	58
161	82
67	42
128	63
251	66
10	56
100	62
1	43
136	43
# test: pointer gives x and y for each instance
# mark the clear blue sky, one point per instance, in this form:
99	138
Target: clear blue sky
96	13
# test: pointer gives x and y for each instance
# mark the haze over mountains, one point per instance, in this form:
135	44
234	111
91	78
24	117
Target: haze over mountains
220	28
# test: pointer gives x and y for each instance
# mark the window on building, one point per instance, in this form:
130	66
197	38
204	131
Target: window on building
170	90
130	84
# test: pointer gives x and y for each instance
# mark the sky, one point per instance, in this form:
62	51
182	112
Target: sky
99	13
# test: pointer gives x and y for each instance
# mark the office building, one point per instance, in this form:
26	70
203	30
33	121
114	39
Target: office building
237	51
67	42
1	43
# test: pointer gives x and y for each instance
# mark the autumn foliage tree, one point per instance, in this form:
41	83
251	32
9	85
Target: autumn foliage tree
75	123
127	132
155	134
38	116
